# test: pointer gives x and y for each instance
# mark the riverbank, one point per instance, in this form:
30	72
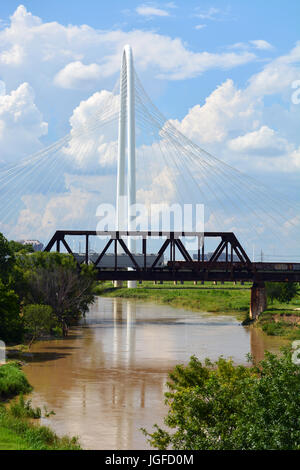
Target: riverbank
107	379
279	319
210	298
283	321
17	428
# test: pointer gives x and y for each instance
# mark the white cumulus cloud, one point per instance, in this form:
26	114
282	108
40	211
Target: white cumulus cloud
77	75
226	109
70	54
261	44
147	10
94	126
21	123
263	141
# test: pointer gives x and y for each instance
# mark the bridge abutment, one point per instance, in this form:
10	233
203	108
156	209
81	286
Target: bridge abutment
258	302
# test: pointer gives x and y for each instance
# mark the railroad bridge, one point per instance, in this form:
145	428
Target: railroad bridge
173	262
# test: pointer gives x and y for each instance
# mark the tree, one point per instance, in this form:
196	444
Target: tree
54	279
11	273
282	291
38	320
6	258
218	406
11	326
289	290
16	247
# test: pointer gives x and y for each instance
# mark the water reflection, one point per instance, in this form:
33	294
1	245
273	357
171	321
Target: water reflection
260	342
107	379
124	337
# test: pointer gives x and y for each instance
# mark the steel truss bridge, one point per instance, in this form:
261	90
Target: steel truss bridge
185	269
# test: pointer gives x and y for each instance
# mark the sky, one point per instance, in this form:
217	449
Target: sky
225	73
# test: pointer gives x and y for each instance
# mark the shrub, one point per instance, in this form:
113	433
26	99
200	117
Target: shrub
12	381
218	406
38	320
53	279
282	291
273	328
23	409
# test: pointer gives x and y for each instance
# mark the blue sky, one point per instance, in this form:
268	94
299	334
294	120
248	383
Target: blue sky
235	21
222	71
222	23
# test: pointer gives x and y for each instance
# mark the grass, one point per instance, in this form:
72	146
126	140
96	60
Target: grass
17	429
23	409
20	433
11	441
280	320
208	298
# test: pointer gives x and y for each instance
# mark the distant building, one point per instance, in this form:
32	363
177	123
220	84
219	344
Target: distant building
36	244
222	257
123	260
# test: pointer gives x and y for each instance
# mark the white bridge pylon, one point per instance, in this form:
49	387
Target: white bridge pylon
126	119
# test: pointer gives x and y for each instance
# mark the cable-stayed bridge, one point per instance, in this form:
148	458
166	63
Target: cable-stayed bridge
121	150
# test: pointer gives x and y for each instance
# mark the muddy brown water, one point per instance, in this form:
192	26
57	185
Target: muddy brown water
107	379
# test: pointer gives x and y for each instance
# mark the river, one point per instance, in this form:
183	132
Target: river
107	379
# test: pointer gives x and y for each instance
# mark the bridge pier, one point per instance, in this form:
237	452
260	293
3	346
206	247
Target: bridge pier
118	283
258	301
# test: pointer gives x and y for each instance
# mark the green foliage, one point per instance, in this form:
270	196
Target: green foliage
275	322
57	332
6	259
221	407
53	279
23	409
11	441
38	320
48	413
17	247
282	291
18	432
12	381
206	298
289	290
11	327
273	328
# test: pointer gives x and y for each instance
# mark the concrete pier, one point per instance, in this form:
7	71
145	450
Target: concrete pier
258	301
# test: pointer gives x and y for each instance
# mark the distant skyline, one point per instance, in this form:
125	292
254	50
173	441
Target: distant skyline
225	72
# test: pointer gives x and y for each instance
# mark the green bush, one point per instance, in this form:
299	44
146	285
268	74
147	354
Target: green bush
12	381
219	406
282	291
38	320
273	328
53	279
11	326
57	332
